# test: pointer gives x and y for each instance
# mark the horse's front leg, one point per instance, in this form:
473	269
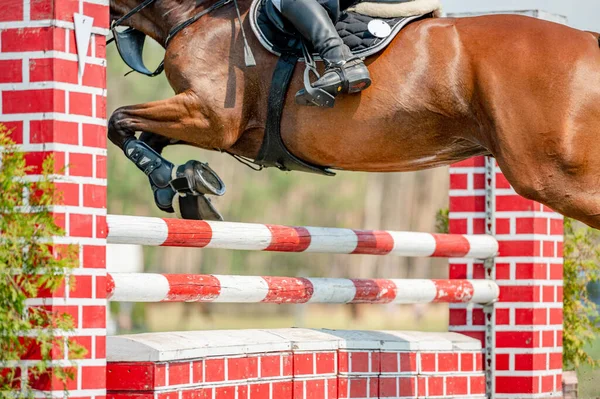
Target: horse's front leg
179	189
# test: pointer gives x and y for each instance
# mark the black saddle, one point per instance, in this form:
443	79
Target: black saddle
278	36
363	34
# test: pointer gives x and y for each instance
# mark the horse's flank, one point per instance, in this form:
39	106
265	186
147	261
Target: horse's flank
524	90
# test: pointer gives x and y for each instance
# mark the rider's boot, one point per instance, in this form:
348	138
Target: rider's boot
344	73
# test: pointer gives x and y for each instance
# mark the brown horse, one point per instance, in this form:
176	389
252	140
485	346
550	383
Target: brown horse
523	90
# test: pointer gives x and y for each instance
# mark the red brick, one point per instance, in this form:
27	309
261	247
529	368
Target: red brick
225	392
343	362
408	362
359	362
556	316
100	44
447	362
94	257
100	166
508	203
467	362
459	181
358	387
259	391
517	385
457	385
503	316
237	368
32	39
80	225
100	287
99	13
501	181
325	363
214	370
54	9
519	294
550	249
528	362
80	104
458	317
314	388
478	317
479	272
458	271
94	316
387	387
530	271
519	248
548	339
303	364
428	363
66	194
12	70
198	371
94	76
101	107
270	366
556	361
82	288
435	386
30	101
101	227
478	226
94	196
281	389
556	227
477	384
288	365
467	204
479	181
11	11
389	362
375	362
179	373
53	131
559	294
53	69
502	362
529	317
517	339
81	165
547	383
548	294
503	226
532	225
503	271
556	271
457	226
94	136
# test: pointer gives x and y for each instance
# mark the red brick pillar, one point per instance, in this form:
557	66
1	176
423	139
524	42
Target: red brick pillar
54	110
525	329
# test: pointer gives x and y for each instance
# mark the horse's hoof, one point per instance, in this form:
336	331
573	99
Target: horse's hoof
195	207
197	178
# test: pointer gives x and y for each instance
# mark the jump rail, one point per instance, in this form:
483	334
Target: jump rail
266	237
147	287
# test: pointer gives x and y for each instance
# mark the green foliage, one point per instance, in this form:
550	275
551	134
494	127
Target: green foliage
581	267
442	221
30	266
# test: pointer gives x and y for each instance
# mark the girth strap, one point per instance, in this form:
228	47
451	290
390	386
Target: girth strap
273	151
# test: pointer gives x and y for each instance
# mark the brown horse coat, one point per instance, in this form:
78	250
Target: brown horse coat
524	90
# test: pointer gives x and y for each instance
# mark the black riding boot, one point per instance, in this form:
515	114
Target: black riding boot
344	73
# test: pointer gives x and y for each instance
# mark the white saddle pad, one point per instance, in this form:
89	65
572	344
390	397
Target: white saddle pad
393	10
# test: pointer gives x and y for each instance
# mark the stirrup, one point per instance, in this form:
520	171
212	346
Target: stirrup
312	96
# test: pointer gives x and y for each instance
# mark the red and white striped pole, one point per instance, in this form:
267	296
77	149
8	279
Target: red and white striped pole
266	237
148	287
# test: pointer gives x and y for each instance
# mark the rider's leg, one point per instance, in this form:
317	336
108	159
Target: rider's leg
344	72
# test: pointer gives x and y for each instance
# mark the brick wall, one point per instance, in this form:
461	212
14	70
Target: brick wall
55	111
528	317
295	364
